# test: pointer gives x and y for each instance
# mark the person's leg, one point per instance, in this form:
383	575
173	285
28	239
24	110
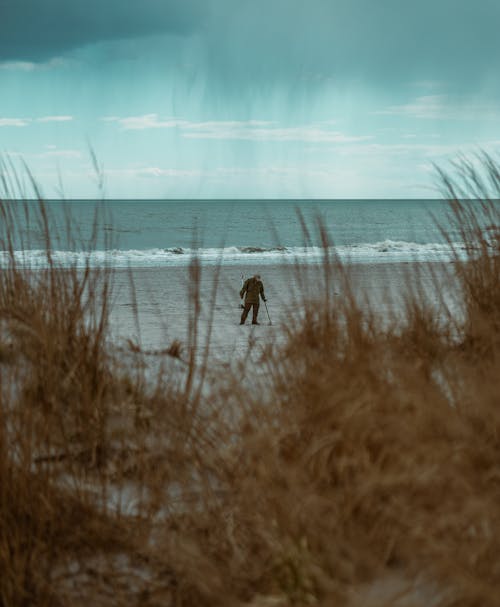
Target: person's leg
255	313
246	310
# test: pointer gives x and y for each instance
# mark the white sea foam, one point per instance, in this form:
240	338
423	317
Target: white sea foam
379	252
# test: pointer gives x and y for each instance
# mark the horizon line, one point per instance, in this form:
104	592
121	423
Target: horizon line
222	199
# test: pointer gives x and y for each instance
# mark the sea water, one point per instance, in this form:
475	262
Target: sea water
155	233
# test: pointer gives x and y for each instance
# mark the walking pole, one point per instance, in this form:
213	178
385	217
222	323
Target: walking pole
270	321
242	283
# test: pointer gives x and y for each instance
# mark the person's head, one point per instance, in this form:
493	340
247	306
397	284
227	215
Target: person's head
257	276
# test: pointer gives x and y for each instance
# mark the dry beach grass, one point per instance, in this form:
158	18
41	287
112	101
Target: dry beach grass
362	468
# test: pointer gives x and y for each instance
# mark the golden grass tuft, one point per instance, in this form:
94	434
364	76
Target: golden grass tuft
362	469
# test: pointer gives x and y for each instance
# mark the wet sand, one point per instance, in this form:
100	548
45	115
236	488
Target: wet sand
164	307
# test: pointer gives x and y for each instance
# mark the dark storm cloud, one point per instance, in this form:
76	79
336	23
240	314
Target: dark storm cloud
260	41
36	30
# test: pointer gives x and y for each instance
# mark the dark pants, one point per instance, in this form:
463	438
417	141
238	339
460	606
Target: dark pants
246	310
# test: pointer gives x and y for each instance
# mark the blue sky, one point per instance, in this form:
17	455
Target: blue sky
244	99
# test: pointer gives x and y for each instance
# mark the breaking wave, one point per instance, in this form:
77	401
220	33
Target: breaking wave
380	252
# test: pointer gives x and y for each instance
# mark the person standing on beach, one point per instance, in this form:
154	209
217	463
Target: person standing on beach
252	289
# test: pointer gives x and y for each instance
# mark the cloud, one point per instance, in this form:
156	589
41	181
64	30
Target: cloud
16	122
21	66
250	130
156	172
30	66
55	153
147	121
427	106
32	31
55	119
410	153
236	43
22	122
441	107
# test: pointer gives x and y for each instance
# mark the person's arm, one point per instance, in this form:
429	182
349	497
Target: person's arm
262	291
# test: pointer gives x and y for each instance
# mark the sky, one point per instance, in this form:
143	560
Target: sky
247	98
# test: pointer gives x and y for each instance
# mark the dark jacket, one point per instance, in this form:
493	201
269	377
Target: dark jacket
253	288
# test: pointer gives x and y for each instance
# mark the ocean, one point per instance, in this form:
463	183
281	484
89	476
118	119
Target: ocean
154	233
150	244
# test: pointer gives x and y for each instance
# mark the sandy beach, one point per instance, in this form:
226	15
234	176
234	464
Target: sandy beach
163	301
353	466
